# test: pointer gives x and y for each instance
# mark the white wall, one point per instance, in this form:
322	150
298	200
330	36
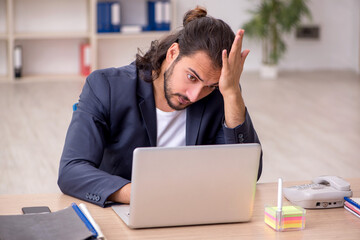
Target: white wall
356	30
338	47
2	42
2	16
3	55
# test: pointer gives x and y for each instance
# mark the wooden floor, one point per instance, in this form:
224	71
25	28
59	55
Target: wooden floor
308	123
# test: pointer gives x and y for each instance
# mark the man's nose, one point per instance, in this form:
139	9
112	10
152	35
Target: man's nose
194	93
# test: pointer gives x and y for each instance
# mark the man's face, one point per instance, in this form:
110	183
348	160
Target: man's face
189	79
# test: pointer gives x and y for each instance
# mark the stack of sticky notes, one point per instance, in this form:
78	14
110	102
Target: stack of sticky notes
290	218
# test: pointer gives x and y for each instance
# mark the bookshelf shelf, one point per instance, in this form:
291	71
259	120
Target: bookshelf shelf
152	34
51	77
53	35
59	30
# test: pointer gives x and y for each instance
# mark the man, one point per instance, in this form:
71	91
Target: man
184	91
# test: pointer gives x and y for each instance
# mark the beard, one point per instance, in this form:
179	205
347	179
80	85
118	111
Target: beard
168	92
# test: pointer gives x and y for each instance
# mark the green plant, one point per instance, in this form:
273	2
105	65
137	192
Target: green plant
270	21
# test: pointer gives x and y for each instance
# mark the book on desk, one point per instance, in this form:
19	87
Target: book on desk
69	223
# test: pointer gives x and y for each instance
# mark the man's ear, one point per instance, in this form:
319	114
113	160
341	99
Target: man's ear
172	53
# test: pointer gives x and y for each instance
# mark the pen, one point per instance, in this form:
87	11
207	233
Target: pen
279	205
279	202
83	218
86	212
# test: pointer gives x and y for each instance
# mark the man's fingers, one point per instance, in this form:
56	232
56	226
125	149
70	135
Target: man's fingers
244	54
236	46
225	59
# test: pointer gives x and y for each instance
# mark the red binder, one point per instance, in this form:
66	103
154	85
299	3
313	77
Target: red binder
85	59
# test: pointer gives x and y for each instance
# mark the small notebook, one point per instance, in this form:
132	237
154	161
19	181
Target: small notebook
64	224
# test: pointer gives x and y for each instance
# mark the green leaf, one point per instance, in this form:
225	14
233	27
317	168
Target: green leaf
271	20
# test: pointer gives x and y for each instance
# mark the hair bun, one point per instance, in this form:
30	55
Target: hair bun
193	14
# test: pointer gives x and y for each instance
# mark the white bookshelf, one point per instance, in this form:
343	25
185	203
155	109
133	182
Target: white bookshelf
51	77
152	34
50	33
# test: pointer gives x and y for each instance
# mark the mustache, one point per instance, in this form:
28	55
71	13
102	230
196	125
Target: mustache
183	96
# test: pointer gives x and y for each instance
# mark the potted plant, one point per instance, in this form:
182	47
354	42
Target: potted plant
270	22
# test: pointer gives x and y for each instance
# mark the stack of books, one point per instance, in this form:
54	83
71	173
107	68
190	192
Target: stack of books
352	205
110	18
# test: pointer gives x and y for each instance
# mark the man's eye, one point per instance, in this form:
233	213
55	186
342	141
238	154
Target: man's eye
213	87
191	77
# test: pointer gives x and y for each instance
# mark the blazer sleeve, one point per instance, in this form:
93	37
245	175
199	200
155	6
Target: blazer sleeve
244	133
79	173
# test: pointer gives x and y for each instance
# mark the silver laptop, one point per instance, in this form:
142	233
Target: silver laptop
191	185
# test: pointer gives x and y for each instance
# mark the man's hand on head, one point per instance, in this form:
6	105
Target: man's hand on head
229	83
233	66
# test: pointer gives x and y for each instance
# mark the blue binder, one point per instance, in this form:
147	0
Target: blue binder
100	23
159	15
166	15
151	16
104	17
115	15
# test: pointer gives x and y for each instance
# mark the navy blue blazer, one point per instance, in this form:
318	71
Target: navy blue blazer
116	114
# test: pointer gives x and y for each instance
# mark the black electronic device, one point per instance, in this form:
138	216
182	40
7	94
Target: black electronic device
32	210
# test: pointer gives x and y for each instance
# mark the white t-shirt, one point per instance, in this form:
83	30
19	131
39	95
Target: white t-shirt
171	128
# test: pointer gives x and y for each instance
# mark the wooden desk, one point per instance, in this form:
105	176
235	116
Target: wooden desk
320	224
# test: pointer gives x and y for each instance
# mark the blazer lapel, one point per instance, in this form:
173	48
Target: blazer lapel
194	114
147	109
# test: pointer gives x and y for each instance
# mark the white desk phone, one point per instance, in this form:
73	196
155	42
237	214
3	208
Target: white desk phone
324	192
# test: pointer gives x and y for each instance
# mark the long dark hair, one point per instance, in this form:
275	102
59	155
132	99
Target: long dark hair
199	33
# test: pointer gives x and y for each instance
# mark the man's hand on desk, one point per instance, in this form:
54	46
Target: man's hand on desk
122	195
